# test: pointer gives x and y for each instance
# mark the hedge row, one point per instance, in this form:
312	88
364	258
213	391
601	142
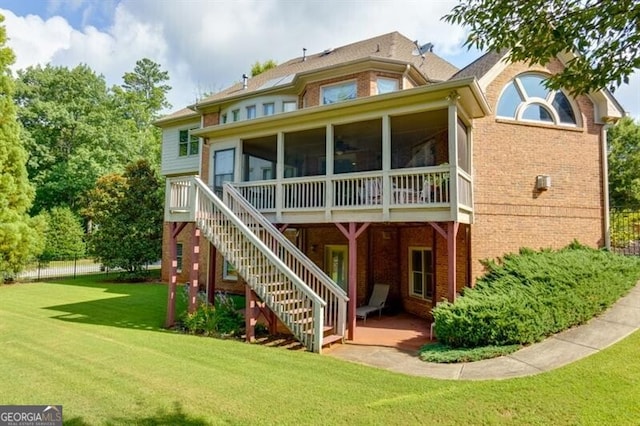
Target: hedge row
528	296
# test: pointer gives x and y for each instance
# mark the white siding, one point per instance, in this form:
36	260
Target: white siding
172	163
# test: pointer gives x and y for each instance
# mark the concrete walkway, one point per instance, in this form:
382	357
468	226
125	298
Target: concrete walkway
622	319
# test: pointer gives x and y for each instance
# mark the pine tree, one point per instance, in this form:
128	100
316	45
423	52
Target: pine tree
18	239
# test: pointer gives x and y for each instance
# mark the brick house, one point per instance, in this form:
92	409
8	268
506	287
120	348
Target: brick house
376	162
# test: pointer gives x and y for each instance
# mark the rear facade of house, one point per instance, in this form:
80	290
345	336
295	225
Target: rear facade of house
376	162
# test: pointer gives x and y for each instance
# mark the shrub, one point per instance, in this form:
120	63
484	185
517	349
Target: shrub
221	319
527	296
437	352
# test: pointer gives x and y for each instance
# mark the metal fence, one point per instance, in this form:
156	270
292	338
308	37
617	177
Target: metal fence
625	230
39	270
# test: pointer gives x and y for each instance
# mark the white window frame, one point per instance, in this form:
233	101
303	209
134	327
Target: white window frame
285	103
337	85
423	295
251	112
229	272
389	80
272	107
190	143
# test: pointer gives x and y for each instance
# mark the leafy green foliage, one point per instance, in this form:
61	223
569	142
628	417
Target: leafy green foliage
221	319
531	295
64	237
625	227
259	68
127	211
624	163
604	34
437	352
74	132
19	240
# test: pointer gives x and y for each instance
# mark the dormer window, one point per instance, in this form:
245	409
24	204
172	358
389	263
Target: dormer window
526	98
339	92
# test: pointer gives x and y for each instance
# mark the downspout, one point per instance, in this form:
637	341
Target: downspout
605	185
405	76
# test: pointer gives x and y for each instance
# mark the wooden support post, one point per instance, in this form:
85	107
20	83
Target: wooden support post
193	276
352	235
250	313
211	276
450	235
452	249
174	231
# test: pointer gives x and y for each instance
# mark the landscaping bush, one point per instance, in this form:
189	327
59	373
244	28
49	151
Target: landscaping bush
221	319
527	296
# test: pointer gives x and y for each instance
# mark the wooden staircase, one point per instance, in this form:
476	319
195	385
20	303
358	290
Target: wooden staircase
300	294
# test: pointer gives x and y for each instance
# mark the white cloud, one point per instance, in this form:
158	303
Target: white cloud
207	45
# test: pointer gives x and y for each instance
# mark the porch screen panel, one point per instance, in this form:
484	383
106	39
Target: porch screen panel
357	147
259	156
419	139
305	153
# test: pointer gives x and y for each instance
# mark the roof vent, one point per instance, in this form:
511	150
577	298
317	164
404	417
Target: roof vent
304	54
245	80
327	51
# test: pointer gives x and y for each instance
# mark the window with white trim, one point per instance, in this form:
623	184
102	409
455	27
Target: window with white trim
235	115
188	144
268	109
421	273
288	106
179	257
251	112
339	92
386	85
526	98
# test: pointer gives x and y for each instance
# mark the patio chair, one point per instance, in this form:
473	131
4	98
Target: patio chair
376	302
371	191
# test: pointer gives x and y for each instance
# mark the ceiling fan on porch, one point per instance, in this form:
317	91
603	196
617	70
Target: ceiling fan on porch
342	147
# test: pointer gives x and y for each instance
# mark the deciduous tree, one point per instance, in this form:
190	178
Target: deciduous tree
624	164
605	35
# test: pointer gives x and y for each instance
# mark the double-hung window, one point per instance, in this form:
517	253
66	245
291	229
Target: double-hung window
268	109
188	144
421	273
251	112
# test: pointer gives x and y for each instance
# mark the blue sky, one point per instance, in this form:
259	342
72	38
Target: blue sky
206	45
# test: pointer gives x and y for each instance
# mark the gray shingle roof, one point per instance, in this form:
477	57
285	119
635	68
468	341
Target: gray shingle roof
480	66
392	46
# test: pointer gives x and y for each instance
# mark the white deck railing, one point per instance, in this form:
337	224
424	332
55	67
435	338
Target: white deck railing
405	188
295	303
335	311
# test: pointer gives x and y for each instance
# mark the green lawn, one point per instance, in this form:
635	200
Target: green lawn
98	350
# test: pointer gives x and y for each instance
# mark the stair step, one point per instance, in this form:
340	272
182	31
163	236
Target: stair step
299	311
327	340
306	320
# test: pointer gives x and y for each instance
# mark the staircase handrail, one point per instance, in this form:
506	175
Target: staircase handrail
291	248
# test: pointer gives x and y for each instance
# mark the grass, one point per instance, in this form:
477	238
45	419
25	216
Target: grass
99	350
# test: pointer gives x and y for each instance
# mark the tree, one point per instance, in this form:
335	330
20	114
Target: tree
128	212
19	240
624	164
141	98
259	68
74	132
603	33
64	235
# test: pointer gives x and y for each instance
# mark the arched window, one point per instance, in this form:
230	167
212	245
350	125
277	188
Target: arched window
526	98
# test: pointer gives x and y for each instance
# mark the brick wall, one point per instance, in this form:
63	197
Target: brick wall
509	212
